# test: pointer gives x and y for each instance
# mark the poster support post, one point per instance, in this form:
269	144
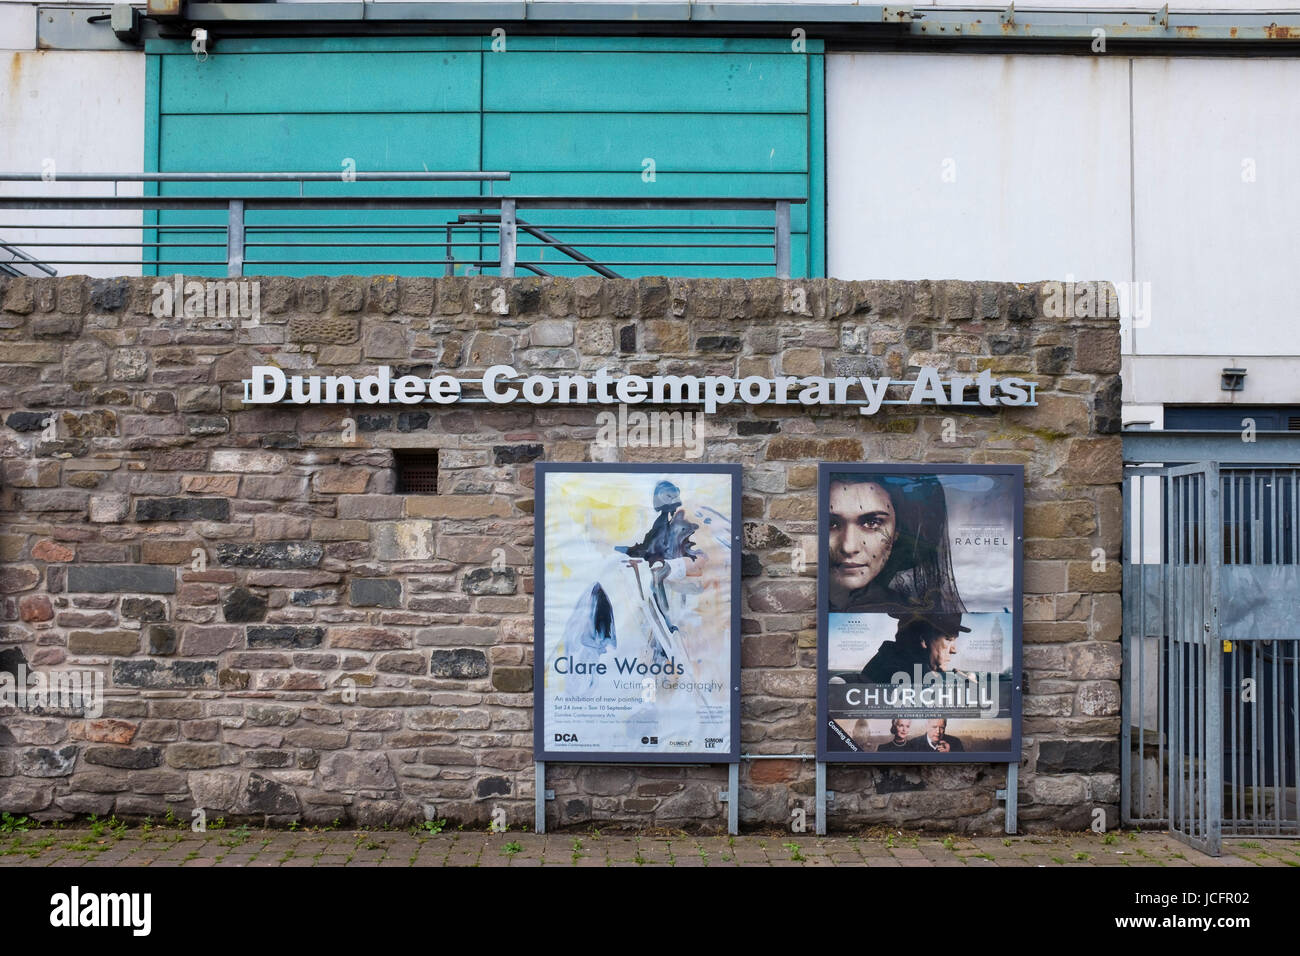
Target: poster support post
733	799
539	798
1013	781
821	798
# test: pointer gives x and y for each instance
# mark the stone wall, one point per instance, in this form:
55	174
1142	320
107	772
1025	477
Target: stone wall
283	636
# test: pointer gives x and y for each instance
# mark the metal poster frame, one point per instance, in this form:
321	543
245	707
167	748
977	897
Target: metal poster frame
1010	757
541	755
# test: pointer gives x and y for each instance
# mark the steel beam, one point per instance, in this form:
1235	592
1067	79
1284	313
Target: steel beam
844	24
1226	448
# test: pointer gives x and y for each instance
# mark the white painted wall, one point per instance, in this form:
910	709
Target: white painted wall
1217	204
1044	188
976	167
84	112
17	26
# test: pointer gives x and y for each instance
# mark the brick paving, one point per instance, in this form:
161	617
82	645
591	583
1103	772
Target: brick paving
104	845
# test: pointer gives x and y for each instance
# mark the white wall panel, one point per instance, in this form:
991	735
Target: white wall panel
1221	252
1036	151
85	113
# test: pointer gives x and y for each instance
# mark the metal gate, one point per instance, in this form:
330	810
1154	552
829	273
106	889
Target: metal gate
1209	719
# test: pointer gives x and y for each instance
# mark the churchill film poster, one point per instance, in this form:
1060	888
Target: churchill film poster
919	613
636	639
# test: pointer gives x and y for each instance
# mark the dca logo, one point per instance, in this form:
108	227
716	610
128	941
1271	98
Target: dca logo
566	738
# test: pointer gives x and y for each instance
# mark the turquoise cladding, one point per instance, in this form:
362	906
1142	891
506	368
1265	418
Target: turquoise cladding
611	116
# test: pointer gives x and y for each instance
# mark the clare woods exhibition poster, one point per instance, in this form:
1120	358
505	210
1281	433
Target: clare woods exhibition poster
635	643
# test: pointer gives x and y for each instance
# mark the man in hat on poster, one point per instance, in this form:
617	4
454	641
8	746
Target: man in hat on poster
927	640
631	605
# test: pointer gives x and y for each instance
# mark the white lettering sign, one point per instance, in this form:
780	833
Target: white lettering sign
503	385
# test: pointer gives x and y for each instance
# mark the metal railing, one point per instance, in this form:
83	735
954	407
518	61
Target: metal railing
233	224
1256	703
15	262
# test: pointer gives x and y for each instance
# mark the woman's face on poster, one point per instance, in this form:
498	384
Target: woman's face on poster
862	532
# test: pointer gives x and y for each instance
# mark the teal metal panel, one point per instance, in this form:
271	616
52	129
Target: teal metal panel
315	141
815	263
609	142
314	83
566	115
644	82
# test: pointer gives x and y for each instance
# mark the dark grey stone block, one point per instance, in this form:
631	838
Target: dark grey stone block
375	592
165	674
285	635
126	758
242	606
182	509
122	578
271	554
460	664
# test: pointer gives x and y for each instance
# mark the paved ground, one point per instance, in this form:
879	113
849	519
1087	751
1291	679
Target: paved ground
111	844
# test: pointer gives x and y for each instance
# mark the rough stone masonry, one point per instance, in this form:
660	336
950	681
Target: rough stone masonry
282	636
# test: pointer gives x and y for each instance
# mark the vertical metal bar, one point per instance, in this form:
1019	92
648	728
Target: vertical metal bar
1295	517
1126	653
1201	700
1257	519
1209	493
539	798
1184	661
1185	671
1175	660
1234	551
235	239
1288	523
1162	658
1013	784
1243	515
1239	530
450	268
1276	711
1228	498
1272	516
506	239
782	239
1256	744
1230	780
821	798
1142	646
1294	749
733	798
1236	739
1197	703
1214	643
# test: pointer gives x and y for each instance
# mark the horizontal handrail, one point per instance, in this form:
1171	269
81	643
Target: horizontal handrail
387	202
477	223
268	177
